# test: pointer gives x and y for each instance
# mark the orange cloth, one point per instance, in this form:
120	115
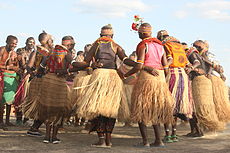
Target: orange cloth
177	52
104	39
144	29
147	40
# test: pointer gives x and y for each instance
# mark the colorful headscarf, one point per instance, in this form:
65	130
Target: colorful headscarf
162	33
144	29
67	42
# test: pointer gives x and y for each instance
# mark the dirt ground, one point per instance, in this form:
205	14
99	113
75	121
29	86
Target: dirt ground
75	139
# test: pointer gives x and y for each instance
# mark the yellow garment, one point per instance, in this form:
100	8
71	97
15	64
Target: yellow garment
177	52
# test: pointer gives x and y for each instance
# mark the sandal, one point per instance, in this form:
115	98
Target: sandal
174	138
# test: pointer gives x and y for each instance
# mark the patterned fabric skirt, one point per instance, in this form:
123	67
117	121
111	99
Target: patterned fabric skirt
204	105
152	102
178	85
22	92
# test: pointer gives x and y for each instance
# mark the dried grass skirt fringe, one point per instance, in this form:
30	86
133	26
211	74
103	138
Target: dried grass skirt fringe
54	100
204	105
220	99
104	96
80	81
30	105
152	102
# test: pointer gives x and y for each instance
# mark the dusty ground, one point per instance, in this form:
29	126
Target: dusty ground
74	140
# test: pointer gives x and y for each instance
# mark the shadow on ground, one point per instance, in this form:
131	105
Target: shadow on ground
75	139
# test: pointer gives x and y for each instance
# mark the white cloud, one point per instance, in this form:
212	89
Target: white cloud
181	14
6	6
212	9
110	8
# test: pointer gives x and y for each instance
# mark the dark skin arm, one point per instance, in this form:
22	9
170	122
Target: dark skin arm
31	59
21	59
222	77
1	54
132	63
165	63
194	66
87	59
169	57
209	73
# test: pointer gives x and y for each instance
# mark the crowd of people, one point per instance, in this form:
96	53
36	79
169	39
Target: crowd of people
162	80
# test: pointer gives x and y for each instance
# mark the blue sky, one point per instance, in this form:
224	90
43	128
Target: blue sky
186	20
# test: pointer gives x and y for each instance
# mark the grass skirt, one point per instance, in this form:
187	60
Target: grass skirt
152	101
178	85
221	99
30	105
54	101
128	93
80	81
128	89
204	105
103	96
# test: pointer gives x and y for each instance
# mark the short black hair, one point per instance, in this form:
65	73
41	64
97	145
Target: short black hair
10	38
80	52
184	43
67	38
42	36
30	38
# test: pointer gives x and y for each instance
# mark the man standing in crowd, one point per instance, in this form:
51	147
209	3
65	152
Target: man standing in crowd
23	56
8	68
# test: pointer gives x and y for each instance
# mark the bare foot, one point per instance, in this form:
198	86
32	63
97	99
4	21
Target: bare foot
109	144
157	144
142	145
100	145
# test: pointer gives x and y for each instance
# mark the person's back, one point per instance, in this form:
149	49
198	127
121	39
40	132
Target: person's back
176	51
105	54
153	56
151	99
